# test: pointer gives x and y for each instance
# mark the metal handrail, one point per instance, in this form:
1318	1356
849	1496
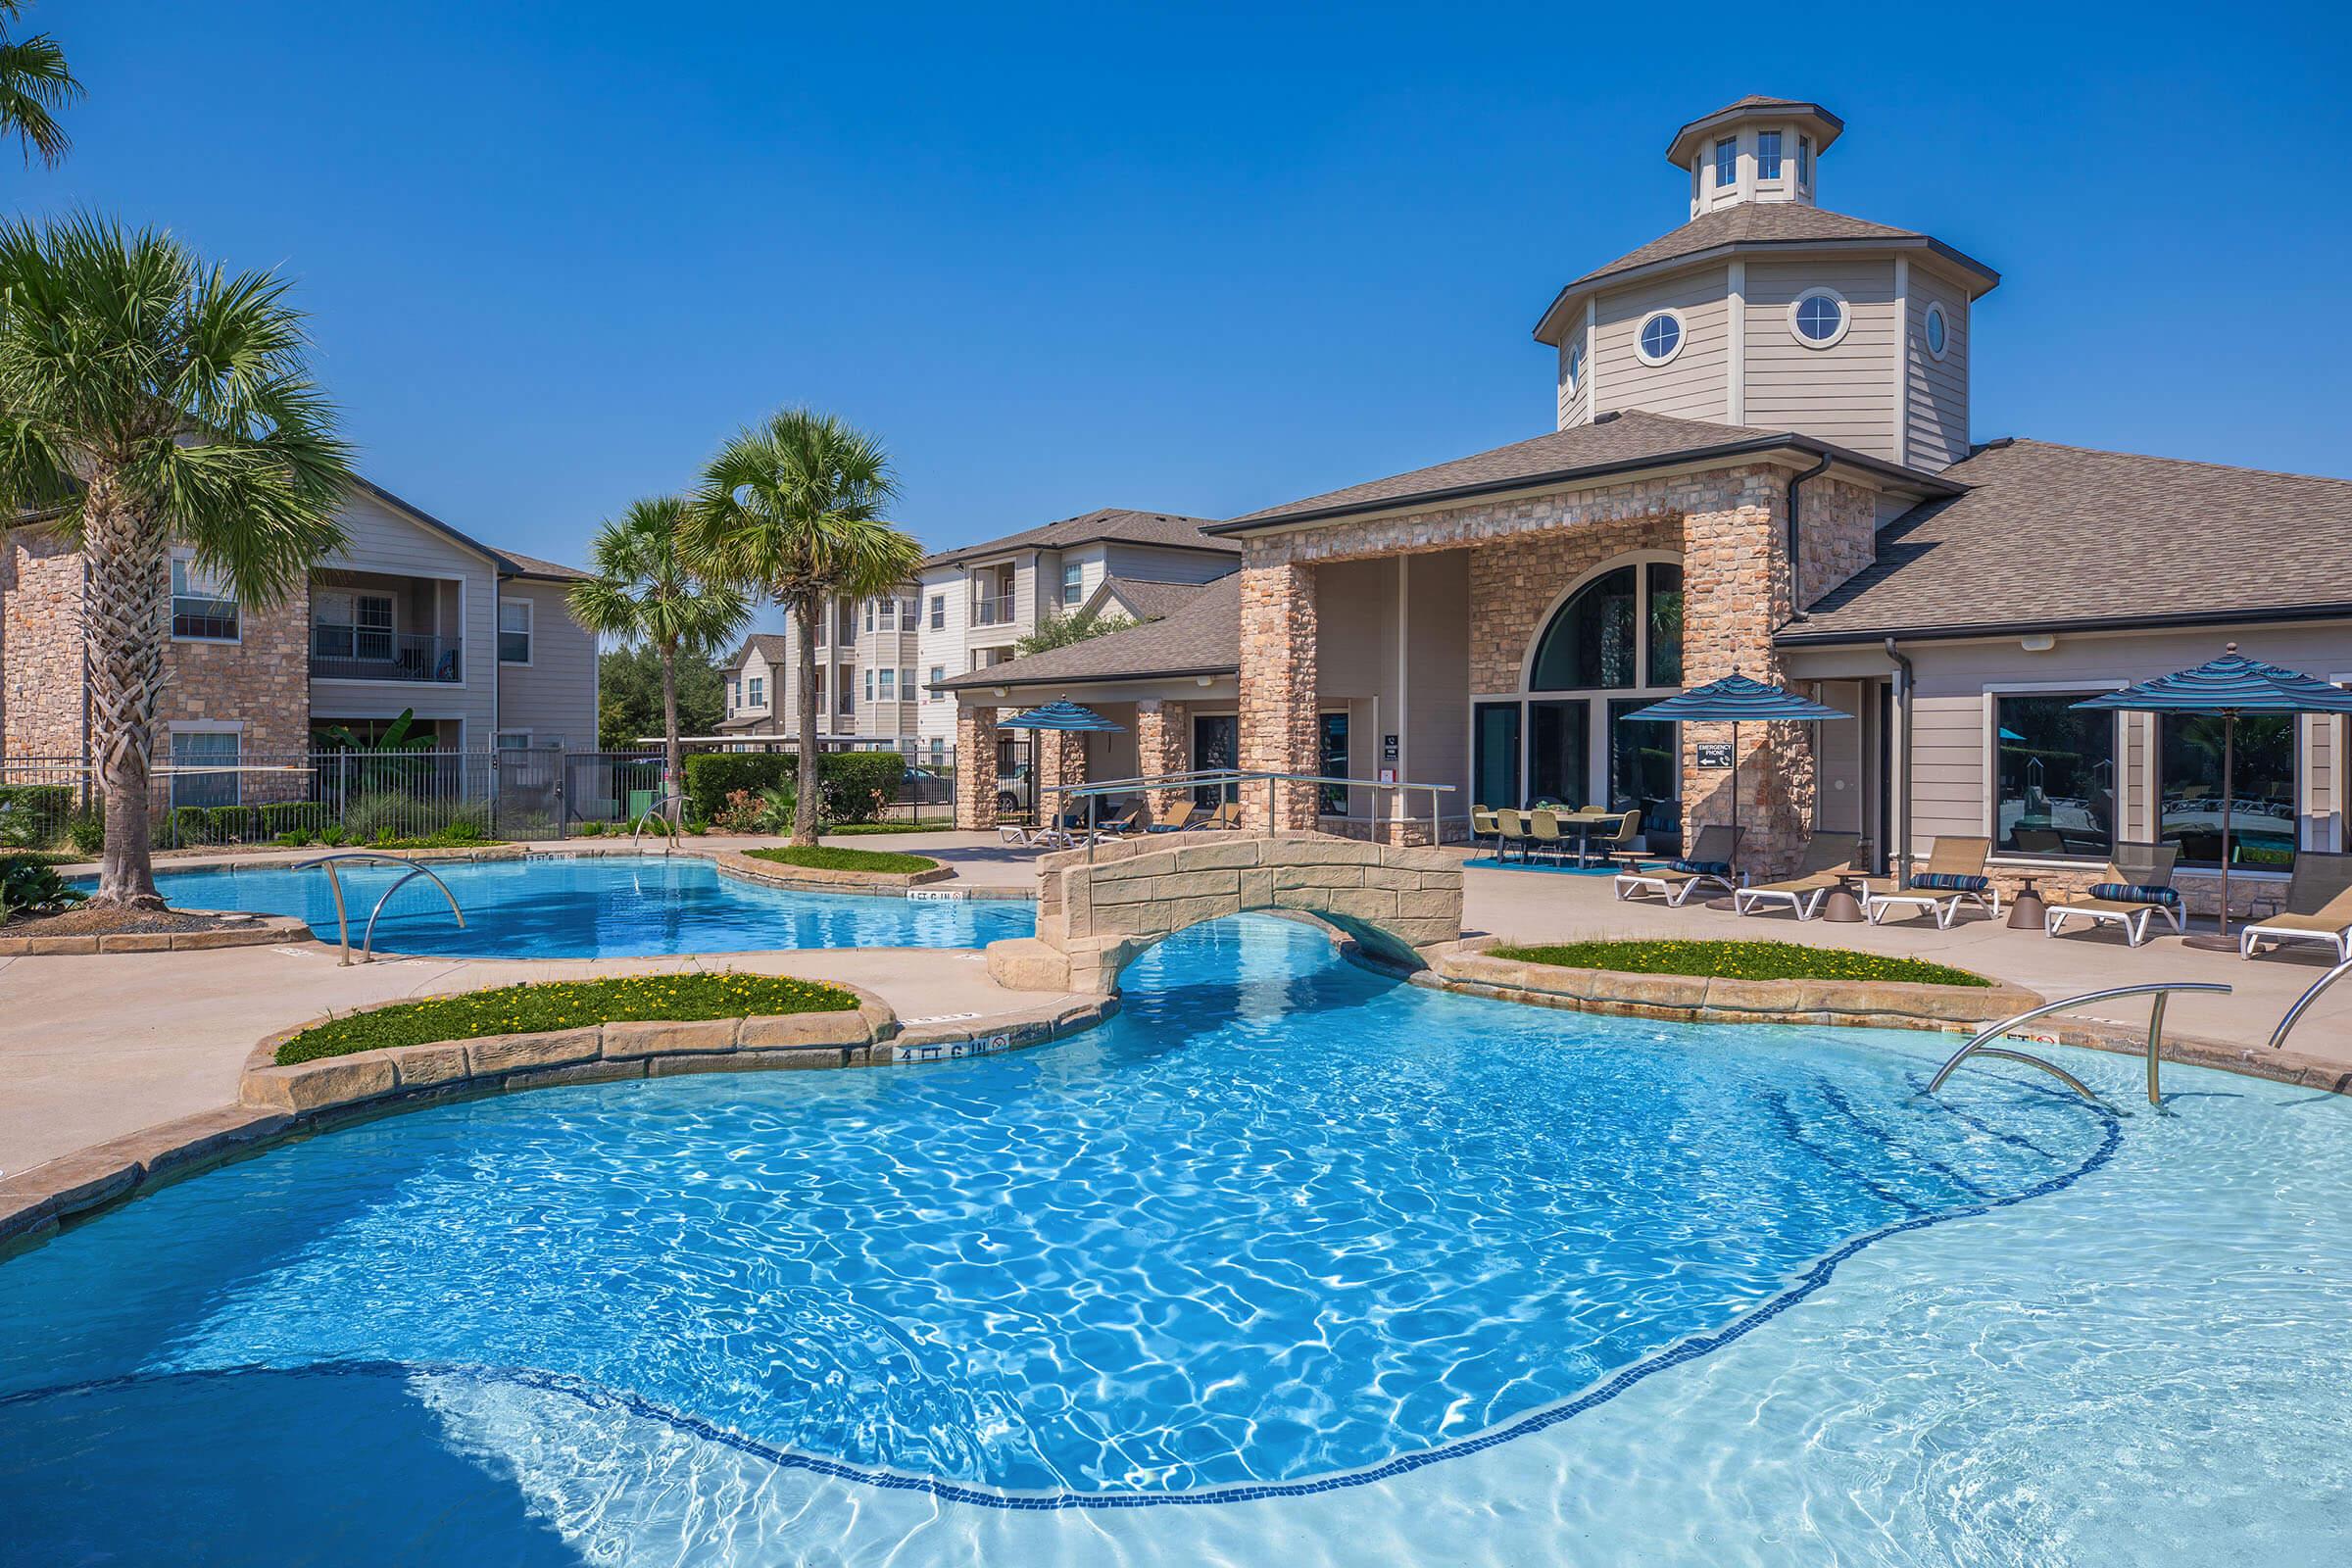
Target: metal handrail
660	811
2162	993
1221	776
335	883
2294	1014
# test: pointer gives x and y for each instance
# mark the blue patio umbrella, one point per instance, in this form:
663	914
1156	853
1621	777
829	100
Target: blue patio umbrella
1737	700
1066	717
2230	685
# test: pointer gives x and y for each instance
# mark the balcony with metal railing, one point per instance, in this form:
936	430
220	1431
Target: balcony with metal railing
993	610
364	653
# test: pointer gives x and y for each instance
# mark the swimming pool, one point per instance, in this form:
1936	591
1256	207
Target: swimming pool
1287	1263
598	906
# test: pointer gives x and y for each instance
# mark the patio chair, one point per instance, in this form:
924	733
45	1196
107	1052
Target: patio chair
1711	860
1956	875
1131	820
1828	860
1484	827
1228	815
2318	907
2139	887
1511	828
1178	815
1619	840
1543	834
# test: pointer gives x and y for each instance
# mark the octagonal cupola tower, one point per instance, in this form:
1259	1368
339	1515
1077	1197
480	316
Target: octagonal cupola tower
1756	150
1767	311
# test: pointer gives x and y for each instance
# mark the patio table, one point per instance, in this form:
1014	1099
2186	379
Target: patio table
2027	910
1843	906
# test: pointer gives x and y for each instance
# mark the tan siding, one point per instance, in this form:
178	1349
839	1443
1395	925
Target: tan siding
1154	564
382	540
1936	408
1690	387
1573	406
1843	394
555	696
1437	742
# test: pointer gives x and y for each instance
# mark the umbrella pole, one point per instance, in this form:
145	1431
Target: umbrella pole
1734	795
2229	788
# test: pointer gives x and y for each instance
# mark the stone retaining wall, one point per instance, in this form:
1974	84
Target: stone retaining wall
261	931
1695	998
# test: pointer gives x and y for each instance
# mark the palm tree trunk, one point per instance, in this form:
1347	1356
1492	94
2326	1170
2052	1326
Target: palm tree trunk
127	594
673	769
805	613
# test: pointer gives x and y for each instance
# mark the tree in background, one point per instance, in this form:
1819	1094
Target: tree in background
1059	630
147	400
628	703
793	509
645	595
34	83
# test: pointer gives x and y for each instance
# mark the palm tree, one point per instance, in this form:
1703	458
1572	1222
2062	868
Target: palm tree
34	83
147	399
645	595
793	509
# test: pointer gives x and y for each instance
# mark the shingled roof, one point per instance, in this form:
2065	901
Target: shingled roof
1757	226
1203	638
1165	528
1625	441
773	646
1143	599
2049	537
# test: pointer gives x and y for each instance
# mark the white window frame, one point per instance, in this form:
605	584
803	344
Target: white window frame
755	692
1721	143
390	628
1572	373
1804	161
1681	336
498	741
870	683
1846	319
734	695
530	633
1780	164
1073	584
1927	331
186	560
939	612
931	692
207	726
889	679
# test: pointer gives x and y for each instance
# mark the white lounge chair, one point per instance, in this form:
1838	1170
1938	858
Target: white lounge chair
1829	859
2318	907
1709	862
1956	875
2138	888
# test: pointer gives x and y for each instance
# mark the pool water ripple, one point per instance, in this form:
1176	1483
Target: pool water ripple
1281	1225
598	906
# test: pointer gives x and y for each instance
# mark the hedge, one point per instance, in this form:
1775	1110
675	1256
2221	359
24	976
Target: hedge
1741	960
33	815
846	781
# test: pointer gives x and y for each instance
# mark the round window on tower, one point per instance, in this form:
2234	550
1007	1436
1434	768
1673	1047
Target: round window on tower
1660	339
1818	318
1937	334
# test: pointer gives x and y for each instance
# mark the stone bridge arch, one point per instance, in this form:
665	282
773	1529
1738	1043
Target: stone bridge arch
1095	915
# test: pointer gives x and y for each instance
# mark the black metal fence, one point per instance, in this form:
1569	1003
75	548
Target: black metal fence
370	796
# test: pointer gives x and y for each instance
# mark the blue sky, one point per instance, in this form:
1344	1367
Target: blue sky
1201	261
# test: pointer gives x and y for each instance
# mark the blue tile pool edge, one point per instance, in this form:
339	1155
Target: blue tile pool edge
596	1397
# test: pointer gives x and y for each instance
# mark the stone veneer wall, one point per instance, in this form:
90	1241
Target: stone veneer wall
1735	581
976	768
1513	586
1163	744
261	681
1060	761
1279	692
41	712
1837	533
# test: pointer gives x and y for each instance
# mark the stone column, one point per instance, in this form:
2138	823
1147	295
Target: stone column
976	768
1278	692
1060	762
1735	594
1163	744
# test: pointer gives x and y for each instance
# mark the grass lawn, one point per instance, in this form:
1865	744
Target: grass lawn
1742	960
828	858
565	1005
843	830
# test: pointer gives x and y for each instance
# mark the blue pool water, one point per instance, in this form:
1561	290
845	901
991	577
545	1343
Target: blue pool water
1286	1262
599	906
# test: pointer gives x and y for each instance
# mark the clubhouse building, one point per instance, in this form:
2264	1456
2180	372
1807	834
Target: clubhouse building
1762	462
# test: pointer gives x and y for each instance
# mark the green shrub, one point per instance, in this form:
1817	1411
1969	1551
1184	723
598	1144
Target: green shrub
565	1005
293	840
32	816
281	817
389	813
28	886
1742	961
851	786
86	832
589	831
191	825
333	837
230	825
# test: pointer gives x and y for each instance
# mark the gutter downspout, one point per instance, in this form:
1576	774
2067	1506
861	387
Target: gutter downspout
1906	680
1796	589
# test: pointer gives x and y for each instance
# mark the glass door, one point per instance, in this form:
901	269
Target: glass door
1646	774
1559	750
1216	741
1496	743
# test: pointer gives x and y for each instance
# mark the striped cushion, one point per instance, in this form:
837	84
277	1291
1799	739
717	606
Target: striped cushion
1704	867
2127	893
1950	882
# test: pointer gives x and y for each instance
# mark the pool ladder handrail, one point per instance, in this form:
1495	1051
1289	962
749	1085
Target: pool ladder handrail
2163	992
2294	1014
343	922
659	811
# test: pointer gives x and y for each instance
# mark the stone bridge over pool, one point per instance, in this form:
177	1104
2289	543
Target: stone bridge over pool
1094	916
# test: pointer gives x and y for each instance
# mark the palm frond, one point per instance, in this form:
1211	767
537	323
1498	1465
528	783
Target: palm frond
34	85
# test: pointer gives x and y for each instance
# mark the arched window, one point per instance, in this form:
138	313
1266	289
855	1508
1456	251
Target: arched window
1622	629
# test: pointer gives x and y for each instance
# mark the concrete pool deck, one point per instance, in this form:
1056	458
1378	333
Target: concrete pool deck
95	1046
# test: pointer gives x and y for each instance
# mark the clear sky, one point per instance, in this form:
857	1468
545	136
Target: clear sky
1200	262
